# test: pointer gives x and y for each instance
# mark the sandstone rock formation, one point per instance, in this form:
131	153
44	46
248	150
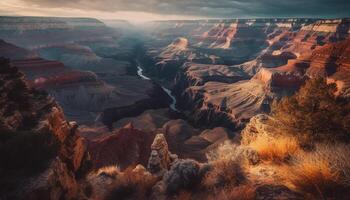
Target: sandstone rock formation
183	139
148	121
195	74
228	106
160	159
123	147
333	61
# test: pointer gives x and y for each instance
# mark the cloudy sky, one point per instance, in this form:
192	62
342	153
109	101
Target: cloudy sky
140	10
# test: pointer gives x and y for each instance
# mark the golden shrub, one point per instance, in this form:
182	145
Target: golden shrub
276	150
323	173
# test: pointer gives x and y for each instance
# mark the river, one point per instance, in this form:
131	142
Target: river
173	99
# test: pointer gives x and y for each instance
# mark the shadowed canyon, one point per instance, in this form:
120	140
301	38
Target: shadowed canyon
176	109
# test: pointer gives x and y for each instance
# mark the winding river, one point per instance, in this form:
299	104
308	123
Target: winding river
173	99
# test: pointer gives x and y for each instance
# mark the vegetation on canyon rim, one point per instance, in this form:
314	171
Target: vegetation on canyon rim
309	141
314	114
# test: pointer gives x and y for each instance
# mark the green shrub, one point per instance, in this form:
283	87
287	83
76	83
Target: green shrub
314	113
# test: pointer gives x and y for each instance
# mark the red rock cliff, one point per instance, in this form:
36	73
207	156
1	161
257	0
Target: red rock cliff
29	114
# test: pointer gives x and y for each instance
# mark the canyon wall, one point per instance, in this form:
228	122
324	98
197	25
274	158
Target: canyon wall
227	71
33	32
42	155
82	63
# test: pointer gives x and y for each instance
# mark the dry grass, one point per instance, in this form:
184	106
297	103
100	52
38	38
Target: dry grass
132	184
99	181
225	173
242	192
323	173
228	164
110	171
276	150
111	183
227	167
225	151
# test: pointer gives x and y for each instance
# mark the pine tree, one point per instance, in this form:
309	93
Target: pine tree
314	113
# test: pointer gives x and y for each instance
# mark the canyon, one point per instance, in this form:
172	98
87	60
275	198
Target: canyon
226	71
107	93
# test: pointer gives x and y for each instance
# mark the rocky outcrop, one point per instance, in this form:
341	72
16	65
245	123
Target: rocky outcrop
228	106
66	79
11	51
333	61
124	147
198	74
37	67
29	113
257	126
156	98
148	121
216	135
220	35
86	56
160	159
288	77
165	62
71	88
182	138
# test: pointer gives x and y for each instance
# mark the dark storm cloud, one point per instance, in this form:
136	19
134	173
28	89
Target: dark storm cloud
212	8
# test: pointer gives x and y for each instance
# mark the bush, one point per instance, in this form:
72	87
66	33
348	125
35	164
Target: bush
227	162
225	151
323	173
131	184
98	181
108	171
276	150
184	174
242	192
313	114
224	173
